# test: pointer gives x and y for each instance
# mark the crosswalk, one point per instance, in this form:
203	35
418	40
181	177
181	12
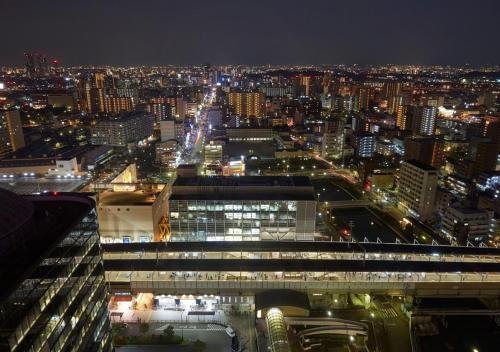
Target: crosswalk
388	312
215	327
209	326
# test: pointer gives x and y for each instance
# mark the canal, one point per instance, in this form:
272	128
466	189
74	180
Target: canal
362	223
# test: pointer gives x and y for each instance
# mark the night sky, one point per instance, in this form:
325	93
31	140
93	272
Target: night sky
124	32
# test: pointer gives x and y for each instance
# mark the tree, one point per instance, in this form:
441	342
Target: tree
199	346
169	332
144	328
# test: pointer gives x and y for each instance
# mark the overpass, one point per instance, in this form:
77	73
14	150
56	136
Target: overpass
339	267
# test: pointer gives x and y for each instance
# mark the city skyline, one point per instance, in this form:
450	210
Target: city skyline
249	176
278	32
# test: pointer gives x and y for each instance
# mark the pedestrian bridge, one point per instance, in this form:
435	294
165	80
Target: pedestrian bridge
341	267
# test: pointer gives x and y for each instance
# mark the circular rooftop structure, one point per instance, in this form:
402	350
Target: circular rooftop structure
16	221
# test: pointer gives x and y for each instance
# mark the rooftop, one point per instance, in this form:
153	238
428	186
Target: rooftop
127	198
248	188
244	181
420	165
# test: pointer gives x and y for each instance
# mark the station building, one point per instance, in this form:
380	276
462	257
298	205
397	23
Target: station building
248	208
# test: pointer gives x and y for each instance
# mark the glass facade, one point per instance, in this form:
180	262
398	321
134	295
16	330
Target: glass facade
240	220
62	304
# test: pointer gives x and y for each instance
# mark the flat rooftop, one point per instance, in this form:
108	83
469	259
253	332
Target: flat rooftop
39	185
244	181
420	165
127	198
243	188
242	196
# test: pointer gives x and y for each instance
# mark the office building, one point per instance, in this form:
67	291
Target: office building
246	104
466	224
121	130
11	132
417	189
53	296
365	144
242	208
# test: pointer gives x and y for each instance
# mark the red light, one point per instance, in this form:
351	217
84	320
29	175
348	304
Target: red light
55	194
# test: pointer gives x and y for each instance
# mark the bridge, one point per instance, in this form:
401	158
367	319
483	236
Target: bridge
354	203
339	267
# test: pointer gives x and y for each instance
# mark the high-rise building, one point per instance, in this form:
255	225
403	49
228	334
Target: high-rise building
428	121
36	65
392	89
242	208
94	93
214	118
487	157
177	104
417	189
162	111
116	105
304	85
363	98
246	104
170	129
365	144
120	130
405	117
427	150
393	104
53	296
11	132
332	144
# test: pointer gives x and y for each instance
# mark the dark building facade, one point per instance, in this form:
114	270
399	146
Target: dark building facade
52	291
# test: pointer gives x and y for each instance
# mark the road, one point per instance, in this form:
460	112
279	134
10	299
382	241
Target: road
213	335
193	153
